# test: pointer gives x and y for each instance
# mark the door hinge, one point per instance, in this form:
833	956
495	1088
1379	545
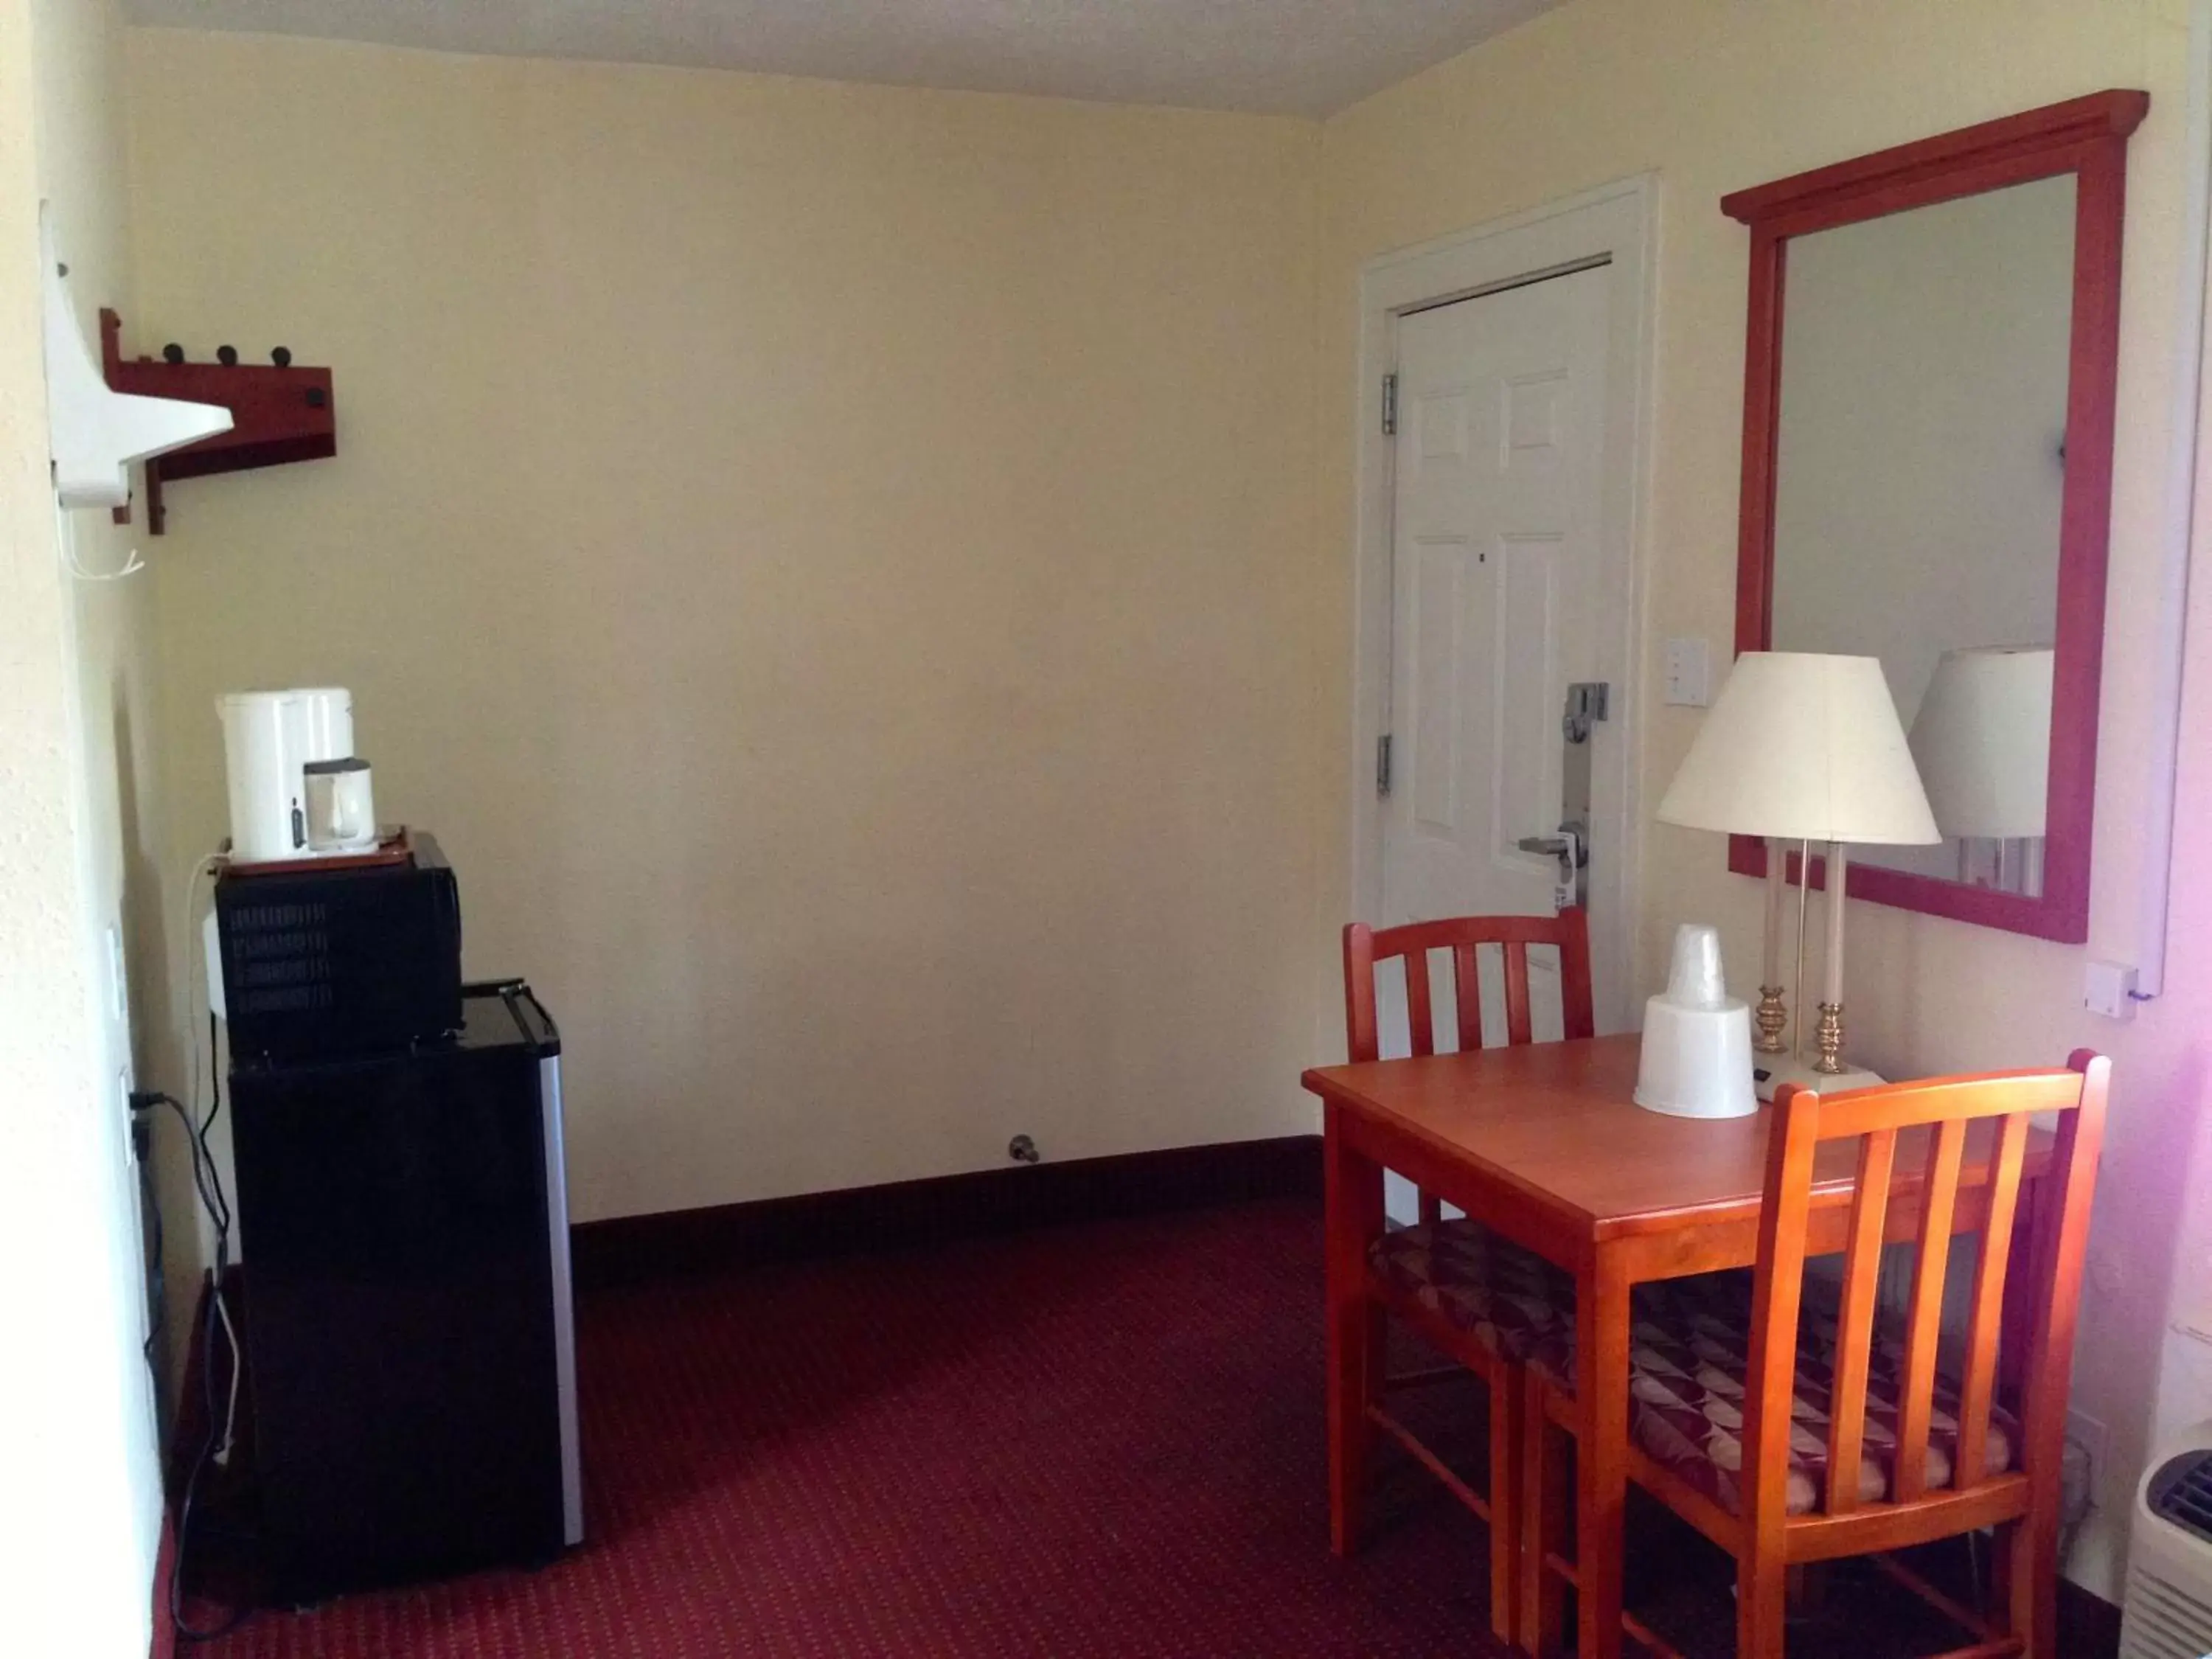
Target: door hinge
1382	764
1390	406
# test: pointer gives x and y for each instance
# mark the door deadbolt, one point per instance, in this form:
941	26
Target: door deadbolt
1586	702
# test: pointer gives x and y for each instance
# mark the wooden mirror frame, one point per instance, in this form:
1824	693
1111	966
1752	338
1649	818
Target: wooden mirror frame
2086	138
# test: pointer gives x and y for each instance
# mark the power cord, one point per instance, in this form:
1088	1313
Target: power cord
222	1303
149	1205
197	995
207	1181
65	522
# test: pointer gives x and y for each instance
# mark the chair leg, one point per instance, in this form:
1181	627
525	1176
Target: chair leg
1997	1606
1762	1606
1543	1522
1806	1586
1354	1383
1506	1428
2030	1581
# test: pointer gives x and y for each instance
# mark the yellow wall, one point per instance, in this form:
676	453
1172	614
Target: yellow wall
839	565
828	560
1714	96
76	792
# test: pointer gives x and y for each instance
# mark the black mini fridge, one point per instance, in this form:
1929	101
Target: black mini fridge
410	1326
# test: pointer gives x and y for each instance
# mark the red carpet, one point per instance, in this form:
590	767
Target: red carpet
1098	1440
1095	1442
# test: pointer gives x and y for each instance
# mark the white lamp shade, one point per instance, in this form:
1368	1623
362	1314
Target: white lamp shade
1805	747
1983	740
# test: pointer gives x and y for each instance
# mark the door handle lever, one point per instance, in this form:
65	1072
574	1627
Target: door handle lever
1571	847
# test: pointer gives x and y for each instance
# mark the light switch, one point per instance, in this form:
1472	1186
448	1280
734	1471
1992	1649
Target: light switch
1689	674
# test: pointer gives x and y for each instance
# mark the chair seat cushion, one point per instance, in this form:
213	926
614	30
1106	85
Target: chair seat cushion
1690	1353
1509	1298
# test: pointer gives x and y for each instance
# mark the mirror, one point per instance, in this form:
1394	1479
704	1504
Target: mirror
1928	453
1919	478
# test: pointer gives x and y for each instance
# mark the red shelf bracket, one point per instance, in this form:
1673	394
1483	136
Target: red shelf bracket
280	413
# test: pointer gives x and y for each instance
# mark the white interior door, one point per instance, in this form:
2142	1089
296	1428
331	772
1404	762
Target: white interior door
1496	610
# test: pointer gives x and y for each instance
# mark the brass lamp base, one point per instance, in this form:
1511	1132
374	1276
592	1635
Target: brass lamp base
1772	1018
1769	1072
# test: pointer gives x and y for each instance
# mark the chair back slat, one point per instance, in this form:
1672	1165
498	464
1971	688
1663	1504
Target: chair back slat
1568	933
1906	1105
1517	1027
1360	1039
1459	937
1420	1022
1576	1008
1476	930
1467	984
1855	1321
1777	1288
1937	1161
1923	1328
1985	1317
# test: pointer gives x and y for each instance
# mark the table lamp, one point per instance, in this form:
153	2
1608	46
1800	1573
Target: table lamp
1981	740
1805	748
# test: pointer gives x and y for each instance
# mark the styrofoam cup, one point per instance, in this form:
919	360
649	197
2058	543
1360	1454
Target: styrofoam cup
1696	1062
1694	980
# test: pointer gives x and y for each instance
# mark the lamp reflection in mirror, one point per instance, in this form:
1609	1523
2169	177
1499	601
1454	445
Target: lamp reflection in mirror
1807	748
1981	740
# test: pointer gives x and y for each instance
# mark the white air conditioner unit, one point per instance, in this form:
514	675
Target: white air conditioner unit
2168	1613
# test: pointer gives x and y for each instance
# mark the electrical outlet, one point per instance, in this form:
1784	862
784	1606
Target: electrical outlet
2090	1435
2109	988
2084	1437
118	978
2077	1484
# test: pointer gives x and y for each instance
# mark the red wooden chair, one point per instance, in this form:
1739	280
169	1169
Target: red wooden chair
1818	1382
1482	1301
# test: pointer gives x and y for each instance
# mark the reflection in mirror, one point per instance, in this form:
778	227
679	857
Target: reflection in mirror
1919	478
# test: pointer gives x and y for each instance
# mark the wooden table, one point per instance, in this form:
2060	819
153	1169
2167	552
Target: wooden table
1544	1142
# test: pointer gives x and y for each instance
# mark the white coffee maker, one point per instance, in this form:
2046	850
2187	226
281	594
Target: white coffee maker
271	740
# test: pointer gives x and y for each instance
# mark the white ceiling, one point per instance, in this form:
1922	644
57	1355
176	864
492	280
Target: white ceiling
1286	57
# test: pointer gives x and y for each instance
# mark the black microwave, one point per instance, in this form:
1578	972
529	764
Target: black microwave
321	963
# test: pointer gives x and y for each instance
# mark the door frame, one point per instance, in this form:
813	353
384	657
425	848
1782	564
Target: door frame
1616	224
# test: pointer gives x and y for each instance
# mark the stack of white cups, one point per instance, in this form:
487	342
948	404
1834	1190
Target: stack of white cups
1697	1039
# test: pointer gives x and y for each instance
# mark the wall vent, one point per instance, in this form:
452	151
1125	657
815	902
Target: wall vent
2169	1612
2181	1492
